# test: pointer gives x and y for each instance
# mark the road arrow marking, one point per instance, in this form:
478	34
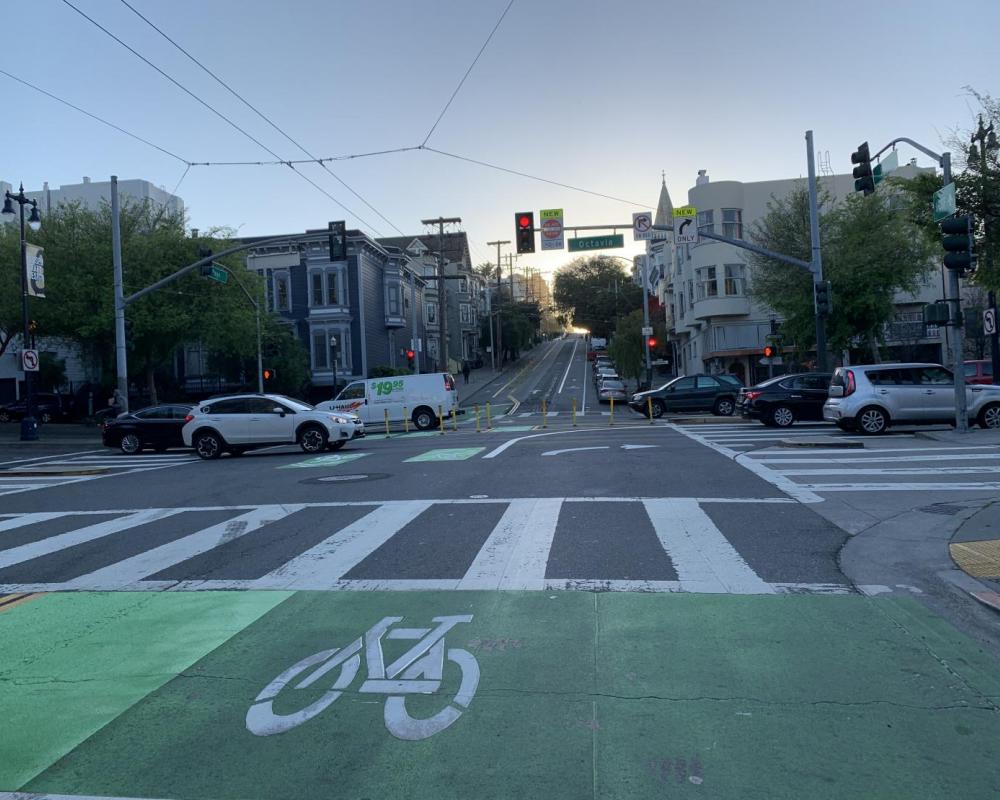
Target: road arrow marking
636	446
575	450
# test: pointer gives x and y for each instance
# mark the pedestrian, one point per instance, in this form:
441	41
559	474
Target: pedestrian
116	403
466	369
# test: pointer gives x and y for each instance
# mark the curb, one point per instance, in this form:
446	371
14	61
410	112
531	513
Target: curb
704	420
835	443
39	472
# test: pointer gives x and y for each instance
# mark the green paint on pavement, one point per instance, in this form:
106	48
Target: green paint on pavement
447	454
325	461
512	429
70	663
402	435
580	695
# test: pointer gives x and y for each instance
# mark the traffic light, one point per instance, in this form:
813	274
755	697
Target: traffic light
652	342
770	351
269	374
959	243
824	303
864	180
410	355
524	224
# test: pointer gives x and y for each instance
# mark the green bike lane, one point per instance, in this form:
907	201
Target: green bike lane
610	695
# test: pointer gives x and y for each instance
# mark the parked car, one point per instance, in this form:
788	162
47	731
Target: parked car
872	397
156	427
612	389
979	372
602	361
715	393
605	372
420	396
238	423
782	401
46	407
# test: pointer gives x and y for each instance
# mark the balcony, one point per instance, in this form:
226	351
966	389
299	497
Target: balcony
739	337
721	306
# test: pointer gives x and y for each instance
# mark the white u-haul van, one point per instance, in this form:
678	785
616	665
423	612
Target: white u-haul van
419	396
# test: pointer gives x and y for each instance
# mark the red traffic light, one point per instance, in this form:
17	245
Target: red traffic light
410	354
769	351
524	221
652	341
268	374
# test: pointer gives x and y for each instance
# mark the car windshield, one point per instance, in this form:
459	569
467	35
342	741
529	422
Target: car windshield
295	405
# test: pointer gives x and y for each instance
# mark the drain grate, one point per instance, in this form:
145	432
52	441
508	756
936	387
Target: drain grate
944	509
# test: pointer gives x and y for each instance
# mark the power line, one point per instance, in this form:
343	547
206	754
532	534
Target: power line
532	177
466	75
215	111
286	162
258	112
93	116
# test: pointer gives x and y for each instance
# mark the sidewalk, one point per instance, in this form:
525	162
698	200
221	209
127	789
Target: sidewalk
54	433
976	435
975	548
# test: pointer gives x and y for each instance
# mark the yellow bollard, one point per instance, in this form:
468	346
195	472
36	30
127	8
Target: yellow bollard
649	409
489	419
406	420
544	409
441	420
611	419
387	434
454	419
478	428
574	412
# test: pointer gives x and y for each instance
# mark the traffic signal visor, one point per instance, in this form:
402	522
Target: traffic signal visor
524	229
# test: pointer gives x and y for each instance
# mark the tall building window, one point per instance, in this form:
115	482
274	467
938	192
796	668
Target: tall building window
392	305
325	288
690	293
707	286
431	311
706	220
732	223
282	294
734	279
465	313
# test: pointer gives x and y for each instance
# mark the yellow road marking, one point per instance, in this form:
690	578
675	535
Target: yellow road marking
979	559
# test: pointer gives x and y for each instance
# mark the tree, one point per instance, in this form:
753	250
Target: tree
487	270
595	291
626	347
871	251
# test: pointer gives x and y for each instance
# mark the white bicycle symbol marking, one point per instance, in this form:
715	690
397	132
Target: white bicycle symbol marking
418	671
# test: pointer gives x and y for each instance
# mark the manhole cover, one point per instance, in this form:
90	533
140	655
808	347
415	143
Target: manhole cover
352	478
941	508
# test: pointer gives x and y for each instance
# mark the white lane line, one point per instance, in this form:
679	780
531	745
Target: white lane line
865	452
704	559
124	573
895	471
874	458
322	565
510	442
568	366
583	406
903	487
45	547
509	559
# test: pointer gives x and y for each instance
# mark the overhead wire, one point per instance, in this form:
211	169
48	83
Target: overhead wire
454	94
259	113
218	113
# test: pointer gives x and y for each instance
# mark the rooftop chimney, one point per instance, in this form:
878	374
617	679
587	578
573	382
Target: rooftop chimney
86	179
194	233
702	178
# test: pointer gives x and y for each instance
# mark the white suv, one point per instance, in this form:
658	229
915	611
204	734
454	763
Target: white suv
237	423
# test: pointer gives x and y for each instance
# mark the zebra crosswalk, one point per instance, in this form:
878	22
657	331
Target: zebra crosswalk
527	544
43	473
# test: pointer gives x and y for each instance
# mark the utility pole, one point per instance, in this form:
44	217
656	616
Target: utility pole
958	340
498	348
816	263
442	297
645	315
121	360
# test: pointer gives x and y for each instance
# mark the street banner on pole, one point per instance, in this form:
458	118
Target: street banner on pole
551	221
36	271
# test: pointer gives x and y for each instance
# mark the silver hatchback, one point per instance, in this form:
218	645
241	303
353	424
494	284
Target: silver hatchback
871	397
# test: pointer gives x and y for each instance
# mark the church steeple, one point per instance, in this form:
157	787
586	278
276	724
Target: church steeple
664	207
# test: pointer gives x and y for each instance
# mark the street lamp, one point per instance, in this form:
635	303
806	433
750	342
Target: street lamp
29	426
333	362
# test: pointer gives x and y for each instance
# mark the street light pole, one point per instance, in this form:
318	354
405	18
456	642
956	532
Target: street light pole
29	425
498	348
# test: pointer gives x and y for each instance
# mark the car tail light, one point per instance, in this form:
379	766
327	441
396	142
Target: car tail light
850	386
751	396
189	417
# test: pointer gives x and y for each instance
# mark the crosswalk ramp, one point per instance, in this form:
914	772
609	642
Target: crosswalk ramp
43	473
741	436
526	544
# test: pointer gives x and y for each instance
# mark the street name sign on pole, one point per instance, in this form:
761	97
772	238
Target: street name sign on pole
685	225
647	330
29	360
642	226
596	242
551	223
216	274
944	202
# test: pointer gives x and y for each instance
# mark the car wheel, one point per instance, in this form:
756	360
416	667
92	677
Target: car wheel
130	444
336	445
989	416
4	416
724	407
45	418
872	421
782	416
659	409
208	445
312	439
423	418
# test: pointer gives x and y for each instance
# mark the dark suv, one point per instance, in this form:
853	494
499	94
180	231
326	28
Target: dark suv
715	393
46	407
782	401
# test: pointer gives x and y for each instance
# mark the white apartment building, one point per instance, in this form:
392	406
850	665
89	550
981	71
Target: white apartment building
91	194
713	321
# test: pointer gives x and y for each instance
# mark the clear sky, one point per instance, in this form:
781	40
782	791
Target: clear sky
600	95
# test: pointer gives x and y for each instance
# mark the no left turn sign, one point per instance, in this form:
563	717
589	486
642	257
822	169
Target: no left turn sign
29	360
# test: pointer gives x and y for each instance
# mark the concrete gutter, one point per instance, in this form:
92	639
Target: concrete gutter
42	471
833	443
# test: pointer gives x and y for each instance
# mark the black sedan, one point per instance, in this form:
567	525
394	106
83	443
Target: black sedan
158	427
780	402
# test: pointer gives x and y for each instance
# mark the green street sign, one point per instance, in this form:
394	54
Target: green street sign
215	273
889	164
596	242
944	202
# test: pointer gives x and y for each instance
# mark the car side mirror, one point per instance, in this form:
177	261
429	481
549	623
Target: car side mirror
836	391
278	410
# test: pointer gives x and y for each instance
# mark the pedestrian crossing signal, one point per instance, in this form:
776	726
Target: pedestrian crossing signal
770	351
269	374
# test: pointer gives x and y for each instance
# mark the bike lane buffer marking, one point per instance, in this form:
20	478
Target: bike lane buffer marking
325	461
447	454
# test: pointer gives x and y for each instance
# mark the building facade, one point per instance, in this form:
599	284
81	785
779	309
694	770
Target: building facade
91	194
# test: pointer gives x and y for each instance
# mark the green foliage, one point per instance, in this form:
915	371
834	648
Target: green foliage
51	372
595	291
519	323
626	347
871	250
385	371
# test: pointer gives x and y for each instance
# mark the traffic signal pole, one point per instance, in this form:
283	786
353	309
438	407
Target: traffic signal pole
957	340
121	356
816	265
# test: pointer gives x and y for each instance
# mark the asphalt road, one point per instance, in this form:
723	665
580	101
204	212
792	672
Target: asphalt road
630	610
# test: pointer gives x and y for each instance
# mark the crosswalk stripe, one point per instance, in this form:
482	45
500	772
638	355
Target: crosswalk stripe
26	552
517	550
704	559
126	572
322	565
894	471
873	458
29	519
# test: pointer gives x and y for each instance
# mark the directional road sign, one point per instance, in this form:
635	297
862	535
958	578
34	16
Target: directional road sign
944	202
642	225
29	360
990	321
685	225
216	274
596	242
551	221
